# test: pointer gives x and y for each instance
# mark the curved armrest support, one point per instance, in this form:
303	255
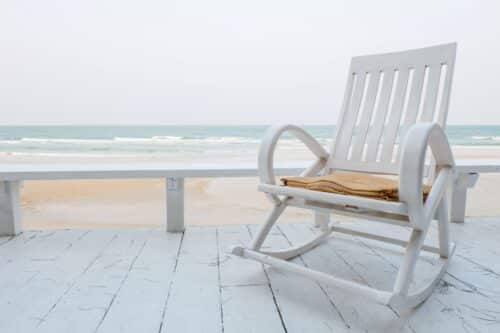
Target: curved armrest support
412	169
268	146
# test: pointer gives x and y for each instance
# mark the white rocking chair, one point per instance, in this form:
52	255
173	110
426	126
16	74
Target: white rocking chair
390	98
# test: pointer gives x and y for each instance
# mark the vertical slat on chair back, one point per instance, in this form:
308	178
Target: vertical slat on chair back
385	95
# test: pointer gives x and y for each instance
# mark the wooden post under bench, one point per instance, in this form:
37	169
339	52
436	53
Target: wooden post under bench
175	204
463	182
10	210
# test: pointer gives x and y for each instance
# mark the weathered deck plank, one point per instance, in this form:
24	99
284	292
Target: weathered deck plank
346	260
479	243
86	302
5	239
194	302
235	271
20	250
300	298
248	303
26	304
138	307
250	309
479	313
149	281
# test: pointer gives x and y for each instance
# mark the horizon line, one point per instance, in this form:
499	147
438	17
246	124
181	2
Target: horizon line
200	124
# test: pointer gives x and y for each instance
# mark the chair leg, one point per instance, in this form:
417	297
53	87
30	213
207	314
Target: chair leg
405	272
266	227
321	220
443	228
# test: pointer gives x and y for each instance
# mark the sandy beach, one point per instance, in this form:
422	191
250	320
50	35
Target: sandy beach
140	202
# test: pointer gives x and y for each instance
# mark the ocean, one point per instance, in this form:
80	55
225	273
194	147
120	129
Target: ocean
171	140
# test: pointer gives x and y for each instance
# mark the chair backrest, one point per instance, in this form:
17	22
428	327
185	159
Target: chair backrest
385	95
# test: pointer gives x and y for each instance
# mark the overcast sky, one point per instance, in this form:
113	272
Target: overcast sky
226	61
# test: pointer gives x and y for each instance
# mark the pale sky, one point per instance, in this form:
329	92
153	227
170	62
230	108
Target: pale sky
226	61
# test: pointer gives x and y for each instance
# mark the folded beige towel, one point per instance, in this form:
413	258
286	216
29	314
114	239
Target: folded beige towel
352	183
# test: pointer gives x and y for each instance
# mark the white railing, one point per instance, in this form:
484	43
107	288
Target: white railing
12	176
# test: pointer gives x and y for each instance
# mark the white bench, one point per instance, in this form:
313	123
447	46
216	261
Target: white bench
468	172
12	175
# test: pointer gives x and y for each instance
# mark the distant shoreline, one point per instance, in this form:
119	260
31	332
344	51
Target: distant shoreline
179	142
298	154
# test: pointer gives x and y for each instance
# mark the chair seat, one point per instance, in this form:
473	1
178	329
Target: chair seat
352	183
340	201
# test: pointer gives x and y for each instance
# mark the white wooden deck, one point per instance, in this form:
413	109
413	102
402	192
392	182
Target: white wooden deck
146	280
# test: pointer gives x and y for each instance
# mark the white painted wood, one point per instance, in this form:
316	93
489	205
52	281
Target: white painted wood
268	147
411	167
431	93
462	182
483	301
194	300
235	271
346	259
140	302
248	303
412	171
359	140
58	260
303	303
400	297
18	172
156	170
407	267
480	246
425	65
458	204
314	169
379	296
349	119
372	215
264	230
14	244
333	198
413	103
376	129
86	302
372	266
175	204
463	167
295	251
477	166
250	309
423	318
5	239
321	220
414	99
380	238
448	82
29	255
10	212
474	314
394	121
410	189
444	229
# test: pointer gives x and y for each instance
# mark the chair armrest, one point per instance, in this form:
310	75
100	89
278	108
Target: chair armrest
412	167
268	146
